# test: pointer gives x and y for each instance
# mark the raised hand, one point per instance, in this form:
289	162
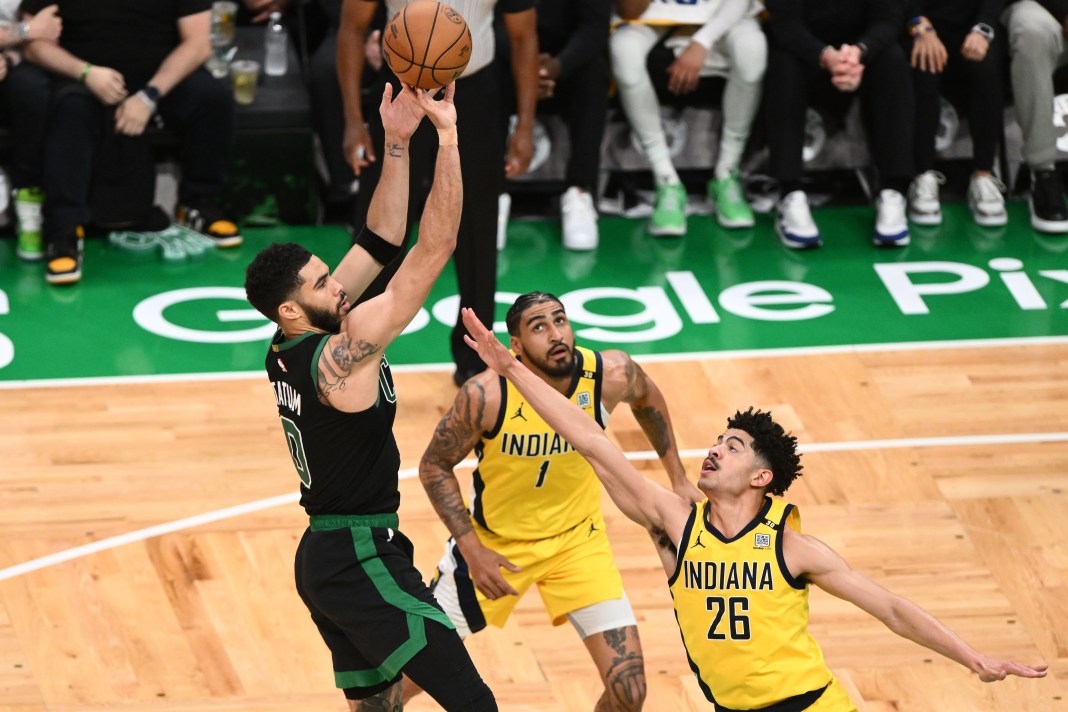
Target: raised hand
401	116
485	343
442	112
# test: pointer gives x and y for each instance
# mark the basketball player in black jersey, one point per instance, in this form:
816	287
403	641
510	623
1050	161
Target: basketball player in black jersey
336	401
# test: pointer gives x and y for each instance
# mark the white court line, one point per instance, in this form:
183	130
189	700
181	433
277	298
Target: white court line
646	358
240	509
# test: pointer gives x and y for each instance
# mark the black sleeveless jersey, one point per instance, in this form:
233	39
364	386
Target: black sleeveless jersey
347	462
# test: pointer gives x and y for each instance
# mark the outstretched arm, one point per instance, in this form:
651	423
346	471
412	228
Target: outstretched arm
455	436
387	214
354	354
379	320
650	410
642	500
810	558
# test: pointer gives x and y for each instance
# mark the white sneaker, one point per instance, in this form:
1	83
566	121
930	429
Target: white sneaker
987	201
924	206
891	227
797	230
579	219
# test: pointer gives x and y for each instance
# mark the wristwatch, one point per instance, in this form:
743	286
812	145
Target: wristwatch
149	95
23	31
985	30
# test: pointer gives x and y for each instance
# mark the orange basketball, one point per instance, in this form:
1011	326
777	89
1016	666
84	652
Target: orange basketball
427	44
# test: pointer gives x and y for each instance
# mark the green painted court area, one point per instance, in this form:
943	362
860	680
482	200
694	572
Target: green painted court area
136	314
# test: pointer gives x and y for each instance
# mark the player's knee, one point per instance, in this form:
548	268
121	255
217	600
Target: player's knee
388	699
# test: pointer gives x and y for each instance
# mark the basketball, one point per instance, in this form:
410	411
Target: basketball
427	44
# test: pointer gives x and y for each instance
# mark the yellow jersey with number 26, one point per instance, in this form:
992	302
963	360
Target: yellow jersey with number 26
530	483
743	617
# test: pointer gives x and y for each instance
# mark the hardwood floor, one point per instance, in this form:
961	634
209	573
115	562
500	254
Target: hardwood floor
205	619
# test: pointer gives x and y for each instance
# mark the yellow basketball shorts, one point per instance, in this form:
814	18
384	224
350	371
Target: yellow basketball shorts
572	570
833	699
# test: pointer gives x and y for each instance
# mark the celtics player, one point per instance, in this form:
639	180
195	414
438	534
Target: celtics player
535	516
738	567
337	404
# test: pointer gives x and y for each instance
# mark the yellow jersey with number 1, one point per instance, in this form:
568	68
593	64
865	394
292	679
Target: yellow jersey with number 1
530	483
743	617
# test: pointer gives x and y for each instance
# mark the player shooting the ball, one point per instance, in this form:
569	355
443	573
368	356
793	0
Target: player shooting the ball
738	566
336	400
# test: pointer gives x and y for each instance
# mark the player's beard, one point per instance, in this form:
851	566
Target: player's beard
555	368
324	319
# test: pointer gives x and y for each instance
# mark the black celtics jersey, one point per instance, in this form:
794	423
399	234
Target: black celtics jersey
347	462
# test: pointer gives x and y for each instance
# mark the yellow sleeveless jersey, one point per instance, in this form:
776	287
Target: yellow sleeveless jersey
530	483
743	617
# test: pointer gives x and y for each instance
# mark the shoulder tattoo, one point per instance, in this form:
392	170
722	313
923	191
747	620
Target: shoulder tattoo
339	361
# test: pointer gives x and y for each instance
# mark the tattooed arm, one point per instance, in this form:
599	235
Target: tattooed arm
348	373
625	381
473	411
337	366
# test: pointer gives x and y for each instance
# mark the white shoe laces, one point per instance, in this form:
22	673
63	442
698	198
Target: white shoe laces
988	189
794	209
925	186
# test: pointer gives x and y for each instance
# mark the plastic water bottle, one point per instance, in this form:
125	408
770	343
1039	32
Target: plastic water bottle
276	46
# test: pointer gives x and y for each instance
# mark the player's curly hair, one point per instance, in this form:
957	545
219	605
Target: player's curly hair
273	276
776	448
521	304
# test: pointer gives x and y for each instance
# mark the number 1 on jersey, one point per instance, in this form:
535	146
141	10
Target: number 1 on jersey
541	474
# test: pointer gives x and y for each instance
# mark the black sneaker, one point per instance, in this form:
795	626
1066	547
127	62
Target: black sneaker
64	257
208	219
1048	212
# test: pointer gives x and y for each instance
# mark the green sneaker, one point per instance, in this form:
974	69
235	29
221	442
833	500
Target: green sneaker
669	214
728	199
28	202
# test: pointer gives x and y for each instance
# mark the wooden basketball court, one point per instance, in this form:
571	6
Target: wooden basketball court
961	504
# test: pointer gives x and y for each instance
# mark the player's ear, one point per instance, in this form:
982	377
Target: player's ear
515	345
762	478
289	310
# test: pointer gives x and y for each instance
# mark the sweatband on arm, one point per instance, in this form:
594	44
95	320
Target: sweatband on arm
383	252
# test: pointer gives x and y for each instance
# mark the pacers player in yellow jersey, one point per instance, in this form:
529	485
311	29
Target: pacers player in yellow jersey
535	513
738	567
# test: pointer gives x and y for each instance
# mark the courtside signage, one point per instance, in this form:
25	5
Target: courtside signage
164	319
